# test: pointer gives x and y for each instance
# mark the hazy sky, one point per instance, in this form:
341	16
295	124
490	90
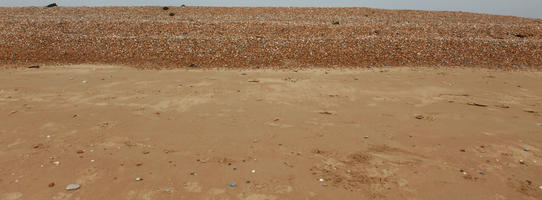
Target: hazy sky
524	8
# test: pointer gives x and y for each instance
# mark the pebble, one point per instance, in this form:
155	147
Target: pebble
73	187
233	184
244	74
540	187
463	150
525	149
52	184
321	180
139	179
521	162
253	171
167	190
366	137
84	81
56	162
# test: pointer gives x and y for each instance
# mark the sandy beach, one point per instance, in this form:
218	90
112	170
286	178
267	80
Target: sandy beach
397	133
268	104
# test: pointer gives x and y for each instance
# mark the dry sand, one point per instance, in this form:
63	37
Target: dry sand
399	133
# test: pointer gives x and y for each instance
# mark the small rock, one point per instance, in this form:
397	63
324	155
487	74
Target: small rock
244	74
253	171
51	5
482	173
34	67
52	184
233	184
463	150
540	187
192	173
321	180
172	14
165	8
248	182
139	164
167	190
139	179
335	23
56	162
525	149
70	78
80	151
521	162
366	137
419	116
73	187
84	81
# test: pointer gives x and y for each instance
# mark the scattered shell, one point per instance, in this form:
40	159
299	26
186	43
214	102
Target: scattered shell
73	187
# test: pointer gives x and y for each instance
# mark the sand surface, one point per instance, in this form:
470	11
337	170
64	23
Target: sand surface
400	133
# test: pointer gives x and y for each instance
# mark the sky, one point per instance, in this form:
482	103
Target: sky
522	8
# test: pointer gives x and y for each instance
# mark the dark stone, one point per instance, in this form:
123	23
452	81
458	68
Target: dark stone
172	14
335	23
192	65
165	8
520	35
34	67
183	5
51	5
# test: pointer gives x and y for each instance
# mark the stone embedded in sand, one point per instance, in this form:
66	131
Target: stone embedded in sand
80	151
73	187
419	116
233	184
335	23
165	8
139	179
51	5
526	149
34	67
52	184
172	14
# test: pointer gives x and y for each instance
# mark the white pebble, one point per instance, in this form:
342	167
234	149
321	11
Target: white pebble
253	171
56	162
321	180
